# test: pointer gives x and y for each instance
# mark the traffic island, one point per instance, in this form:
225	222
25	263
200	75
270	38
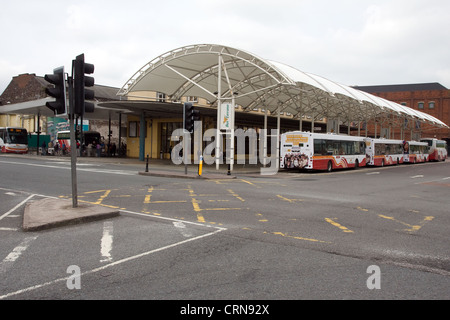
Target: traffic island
50	213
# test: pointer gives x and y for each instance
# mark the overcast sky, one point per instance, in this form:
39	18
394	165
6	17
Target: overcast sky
353	42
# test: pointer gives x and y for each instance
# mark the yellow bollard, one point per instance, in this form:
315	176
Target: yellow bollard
200	165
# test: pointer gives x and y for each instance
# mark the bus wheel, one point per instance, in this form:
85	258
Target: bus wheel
329	166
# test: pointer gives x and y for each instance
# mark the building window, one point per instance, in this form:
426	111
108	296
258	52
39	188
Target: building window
420	105
404	104
431	105
192	99
161	97
134	129
166	132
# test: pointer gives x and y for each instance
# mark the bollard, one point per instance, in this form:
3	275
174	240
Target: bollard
146	164
200	166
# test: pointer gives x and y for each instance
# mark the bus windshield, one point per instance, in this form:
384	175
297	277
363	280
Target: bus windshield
17	136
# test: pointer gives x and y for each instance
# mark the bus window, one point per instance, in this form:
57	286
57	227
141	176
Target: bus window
320	147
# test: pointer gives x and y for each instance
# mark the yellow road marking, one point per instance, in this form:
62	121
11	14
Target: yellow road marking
102	197
334	223
147	198
101	204
412	228
250	183
235	195
295	237
100	200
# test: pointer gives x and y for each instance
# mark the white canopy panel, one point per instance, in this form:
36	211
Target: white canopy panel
258	83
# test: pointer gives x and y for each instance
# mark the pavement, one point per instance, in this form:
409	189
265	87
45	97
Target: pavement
52	212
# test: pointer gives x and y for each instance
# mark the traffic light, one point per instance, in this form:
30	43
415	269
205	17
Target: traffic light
191	115
188	117
58	91
80	82
195	115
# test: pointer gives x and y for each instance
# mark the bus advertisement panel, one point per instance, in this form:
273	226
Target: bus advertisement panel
415	152
321	151
13	140
437	149
382	152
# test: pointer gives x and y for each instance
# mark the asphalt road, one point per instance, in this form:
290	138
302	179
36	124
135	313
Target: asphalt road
371	233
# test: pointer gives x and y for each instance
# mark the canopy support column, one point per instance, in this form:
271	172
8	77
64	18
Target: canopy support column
278	138
265	137
219	103
142	138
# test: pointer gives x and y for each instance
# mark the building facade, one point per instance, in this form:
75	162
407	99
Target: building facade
431	98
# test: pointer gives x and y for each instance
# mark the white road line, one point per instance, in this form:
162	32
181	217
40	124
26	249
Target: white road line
417	176
16	207
182	228
110	264
437	180
122	172
15	254
107	241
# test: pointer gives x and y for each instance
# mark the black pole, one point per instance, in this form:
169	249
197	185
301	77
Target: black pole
120	133
38	132
146	164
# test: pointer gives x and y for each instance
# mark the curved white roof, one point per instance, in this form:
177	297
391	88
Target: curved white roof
258	83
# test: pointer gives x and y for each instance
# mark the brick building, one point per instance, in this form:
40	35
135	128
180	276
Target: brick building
431	98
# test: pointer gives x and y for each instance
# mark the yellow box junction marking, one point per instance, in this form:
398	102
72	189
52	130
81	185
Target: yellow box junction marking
296	237
334	223
234	194
411	228
147	198
289	200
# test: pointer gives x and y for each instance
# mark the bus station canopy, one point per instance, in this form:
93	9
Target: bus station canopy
217	72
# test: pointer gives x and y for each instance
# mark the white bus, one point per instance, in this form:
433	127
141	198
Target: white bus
437	149
321	151
414	152
382	152
13	140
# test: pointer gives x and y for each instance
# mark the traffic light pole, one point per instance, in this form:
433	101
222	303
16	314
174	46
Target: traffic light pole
184	140
73	143
78	93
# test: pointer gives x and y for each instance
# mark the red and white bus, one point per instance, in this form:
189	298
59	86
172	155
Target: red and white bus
13	140
383	152
437	149
63	138
415	152
321	151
